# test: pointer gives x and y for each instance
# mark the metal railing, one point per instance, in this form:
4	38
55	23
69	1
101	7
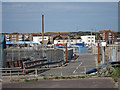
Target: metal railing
44	72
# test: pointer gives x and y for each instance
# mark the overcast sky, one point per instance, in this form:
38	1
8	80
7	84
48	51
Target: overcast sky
25	17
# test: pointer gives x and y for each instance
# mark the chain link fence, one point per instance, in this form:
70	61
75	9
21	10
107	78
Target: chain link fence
33	54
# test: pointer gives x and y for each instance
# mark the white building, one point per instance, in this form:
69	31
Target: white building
69	41
88	39
38	39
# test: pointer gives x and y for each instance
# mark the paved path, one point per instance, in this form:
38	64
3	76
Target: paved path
81	83
75	67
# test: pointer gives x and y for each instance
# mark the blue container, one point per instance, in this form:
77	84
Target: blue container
80	44
83	49
59	47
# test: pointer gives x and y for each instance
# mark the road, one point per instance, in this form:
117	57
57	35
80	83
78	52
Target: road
81	83
75	67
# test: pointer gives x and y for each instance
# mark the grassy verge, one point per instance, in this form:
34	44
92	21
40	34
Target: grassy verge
115	74
31	80
14	80
64	77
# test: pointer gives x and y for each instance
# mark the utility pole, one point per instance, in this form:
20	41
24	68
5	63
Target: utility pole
91	37
43	36
98	52
66	54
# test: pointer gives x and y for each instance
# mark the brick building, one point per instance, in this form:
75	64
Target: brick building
107	36
15	37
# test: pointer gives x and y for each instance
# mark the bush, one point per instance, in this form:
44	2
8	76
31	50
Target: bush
62	77
26	80
45	77
56	77
17	80
115	74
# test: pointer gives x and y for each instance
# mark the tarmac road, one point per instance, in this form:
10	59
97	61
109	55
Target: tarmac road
81	83
75	67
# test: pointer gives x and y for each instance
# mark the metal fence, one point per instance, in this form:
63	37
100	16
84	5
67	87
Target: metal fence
32	54
113	53
19	54
45	72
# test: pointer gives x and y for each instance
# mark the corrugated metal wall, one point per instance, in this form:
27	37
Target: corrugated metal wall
83	50
80	49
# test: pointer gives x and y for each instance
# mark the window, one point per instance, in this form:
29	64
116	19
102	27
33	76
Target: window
88	37
88	40
20	36
92	40
58	41
13	35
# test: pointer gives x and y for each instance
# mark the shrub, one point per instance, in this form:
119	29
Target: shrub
115	74
45	77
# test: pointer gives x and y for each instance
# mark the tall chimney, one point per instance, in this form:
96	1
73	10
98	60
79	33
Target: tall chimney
43	36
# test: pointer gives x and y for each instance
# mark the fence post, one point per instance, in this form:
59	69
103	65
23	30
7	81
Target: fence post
96	61
116	53
98	53
36	73
18	73
98	72
85	70
10	75
103	55
61	72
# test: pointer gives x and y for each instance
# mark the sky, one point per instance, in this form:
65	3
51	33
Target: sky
25	17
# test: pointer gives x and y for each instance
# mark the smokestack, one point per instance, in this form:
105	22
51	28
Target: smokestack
42	24
43	36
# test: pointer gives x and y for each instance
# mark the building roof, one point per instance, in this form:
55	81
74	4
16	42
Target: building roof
9	43
26	42
105	31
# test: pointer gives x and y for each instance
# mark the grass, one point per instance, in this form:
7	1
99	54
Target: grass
115	74
64	77
14	80
45	77
31	80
